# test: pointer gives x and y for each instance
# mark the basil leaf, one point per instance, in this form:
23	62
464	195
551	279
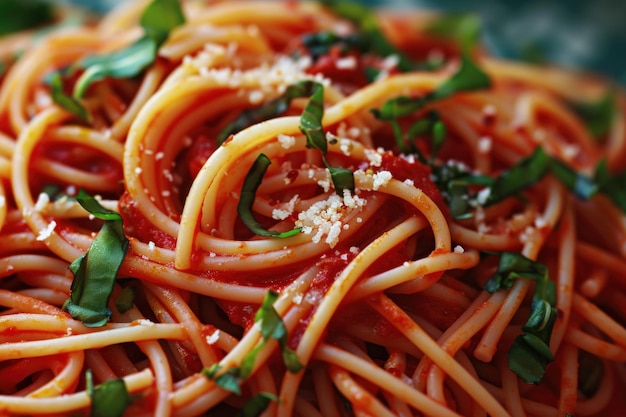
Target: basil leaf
95	271
109	399
598	116
469	77
464	28
126	299
514	265
365	19
525	173
530	353
268	110
65	101
311	126
613	186
93	207
246	199
581	185
157	20
228	380
17	15
257	404
321	43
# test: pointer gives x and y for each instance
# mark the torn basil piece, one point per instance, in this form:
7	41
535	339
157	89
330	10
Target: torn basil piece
321	43
463	28
613	186
157	20
96	270
268	110
228	380
126	299
65	101
513	265
597	116
311	126
109	399
257	404
581	185
246	199
18	15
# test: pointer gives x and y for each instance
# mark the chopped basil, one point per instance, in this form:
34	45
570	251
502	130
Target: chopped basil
65	101
246	199
273	327
157	20
530	353
257	404
311	126
468	77
268	110
464	28
598	116
228	380
522	175
126	299
109	399
17	15
613	186
321	43
365	19
581	185
96	270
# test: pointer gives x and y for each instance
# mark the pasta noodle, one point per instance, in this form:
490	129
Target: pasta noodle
296	208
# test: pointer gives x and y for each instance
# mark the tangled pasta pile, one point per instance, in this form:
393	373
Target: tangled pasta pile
296	208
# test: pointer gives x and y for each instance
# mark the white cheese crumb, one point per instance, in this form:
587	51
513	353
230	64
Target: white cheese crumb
159	156
459	249
484	145
409	181
483	195
47	232
381	179
286	141
354	250
138	170
213	337
42	201
256	97
151	246
348	62
144	322
346	146
374	157
540	222
3	201
297	299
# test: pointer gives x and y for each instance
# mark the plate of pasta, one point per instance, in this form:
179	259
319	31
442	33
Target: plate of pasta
283	208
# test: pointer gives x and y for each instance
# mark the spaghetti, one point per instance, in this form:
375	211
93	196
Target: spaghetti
283	208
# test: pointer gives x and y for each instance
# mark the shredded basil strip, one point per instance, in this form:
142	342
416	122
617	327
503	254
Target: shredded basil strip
321	43
257	404
268	110
464	28
598	115
125	300
469	77
311	126
613	186
65	101
228	380
530	353
157	20
109	399
246	199
365	19
96	270
17	15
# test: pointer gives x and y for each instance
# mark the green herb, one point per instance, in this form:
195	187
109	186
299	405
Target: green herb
273	327
95	271
65	101
530	353
228	380
311	126
590	373
598	116
613	186
522	175
365	19
108	399
157	20
268	110
257	404
582	186
321	43
126	299
469	77
17	15
464	28
246	199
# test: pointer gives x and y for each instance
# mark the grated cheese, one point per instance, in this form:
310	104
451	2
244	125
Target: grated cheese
286	141
381	179
213	337
47	232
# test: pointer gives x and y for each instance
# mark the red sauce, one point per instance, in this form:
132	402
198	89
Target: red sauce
137	225
402	170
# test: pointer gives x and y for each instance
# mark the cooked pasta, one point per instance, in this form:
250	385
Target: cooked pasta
295	208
